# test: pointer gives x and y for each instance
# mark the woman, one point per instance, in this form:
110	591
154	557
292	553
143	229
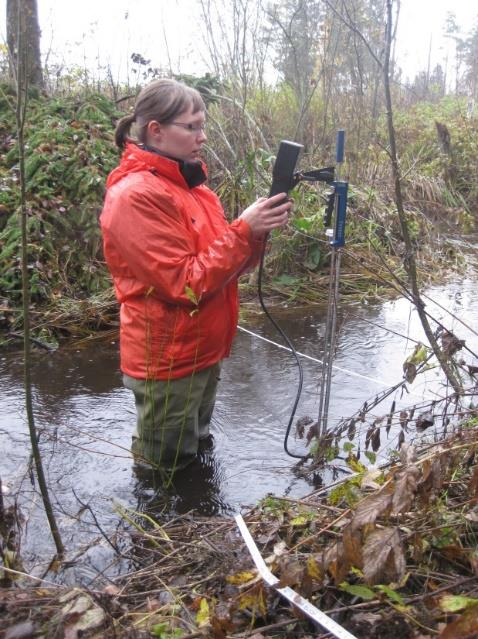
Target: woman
175	261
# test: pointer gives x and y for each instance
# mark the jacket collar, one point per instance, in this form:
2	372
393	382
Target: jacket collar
191	170
135	159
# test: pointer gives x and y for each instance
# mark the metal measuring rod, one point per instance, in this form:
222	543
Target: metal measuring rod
337	209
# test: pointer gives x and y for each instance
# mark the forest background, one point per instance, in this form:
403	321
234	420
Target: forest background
327	63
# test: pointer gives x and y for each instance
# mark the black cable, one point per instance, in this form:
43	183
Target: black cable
290	345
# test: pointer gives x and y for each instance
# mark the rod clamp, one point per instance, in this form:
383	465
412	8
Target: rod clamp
327	175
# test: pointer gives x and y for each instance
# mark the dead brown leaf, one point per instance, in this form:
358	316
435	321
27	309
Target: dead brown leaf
301	424
418	547
291	573
465	627
401	439
424	421
335	562
433	475
405	488
352	541
368	436
376	440
410	371
451	344
383	556
372	507
312	432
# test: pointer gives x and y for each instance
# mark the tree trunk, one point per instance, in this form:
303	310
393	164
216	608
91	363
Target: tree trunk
22	18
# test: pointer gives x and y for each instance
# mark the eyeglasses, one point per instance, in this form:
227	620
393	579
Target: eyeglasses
192	128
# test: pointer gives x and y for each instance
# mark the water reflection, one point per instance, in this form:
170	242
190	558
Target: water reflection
195	489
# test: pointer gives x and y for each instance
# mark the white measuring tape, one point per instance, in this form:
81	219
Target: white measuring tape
297	600
313	359
319	361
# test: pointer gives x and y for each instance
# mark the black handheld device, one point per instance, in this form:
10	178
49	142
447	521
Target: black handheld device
284	166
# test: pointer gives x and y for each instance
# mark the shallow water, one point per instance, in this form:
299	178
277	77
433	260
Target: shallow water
86	418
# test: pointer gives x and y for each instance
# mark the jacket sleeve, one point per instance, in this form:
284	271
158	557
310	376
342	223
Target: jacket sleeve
257	247
153	239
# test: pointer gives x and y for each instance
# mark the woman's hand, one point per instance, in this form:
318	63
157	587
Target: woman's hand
267	214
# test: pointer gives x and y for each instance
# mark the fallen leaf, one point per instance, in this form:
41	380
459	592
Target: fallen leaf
455	603
433	474
383	557
241	578
314	569
352	543
372	507
335	562
254	600
202	617
465	627
291	574
405	487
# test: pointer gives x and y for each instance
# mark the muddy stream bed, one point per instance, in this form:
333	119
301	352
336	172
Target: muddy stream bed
86	418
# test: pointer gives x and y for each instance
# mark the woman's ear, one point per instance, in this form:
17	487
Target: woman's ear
154	131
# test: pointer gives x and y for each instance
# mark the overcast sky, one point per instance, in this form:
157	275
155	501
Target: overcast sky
106	32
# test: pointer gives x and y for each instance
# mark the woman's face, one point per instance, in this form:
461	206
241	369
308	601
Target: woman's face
183	138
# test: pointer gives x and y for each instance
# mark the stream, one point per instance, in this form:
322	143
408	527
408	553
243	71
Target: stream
85	419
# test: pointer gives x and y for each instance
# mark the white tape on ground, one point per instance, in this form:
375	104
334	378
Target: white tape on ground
297	600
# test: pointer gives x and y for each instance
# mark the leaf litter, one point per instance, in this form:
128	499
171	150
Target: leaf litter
399	560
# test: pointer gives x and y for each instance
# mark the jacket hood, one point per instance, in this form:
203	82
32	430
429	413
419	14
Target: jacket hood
135	159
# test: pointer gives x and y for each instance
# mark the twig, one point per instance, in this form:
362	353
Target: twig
103	534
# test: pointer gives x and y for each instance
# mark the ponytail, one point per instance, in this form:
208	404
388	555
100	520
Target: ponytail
122	130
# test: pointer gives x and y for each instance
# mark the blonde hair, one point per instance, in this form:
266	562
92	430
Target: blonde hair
162	100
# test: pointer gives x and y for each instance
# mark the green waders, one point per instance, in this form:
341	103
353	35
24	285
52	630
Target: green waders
172	416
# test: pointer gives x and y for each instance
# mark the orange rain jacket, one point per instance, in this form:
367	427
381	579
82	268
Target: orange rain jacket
174	260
